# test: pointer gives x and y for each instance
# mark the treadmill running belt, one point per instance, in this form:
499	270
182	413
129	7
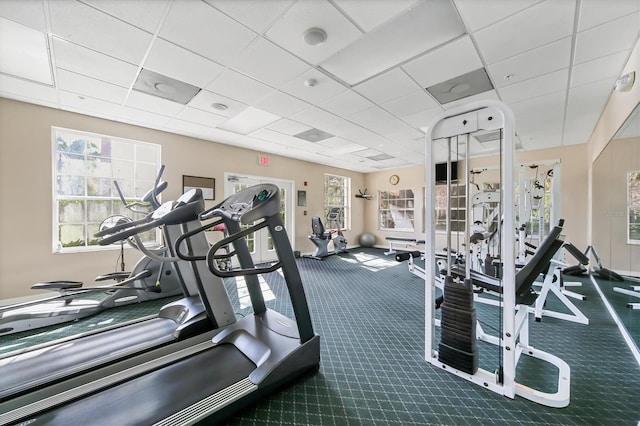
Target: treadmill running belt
53	361
152	397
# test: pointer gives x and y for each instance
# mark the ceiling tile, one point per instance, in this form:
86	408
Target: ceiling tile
29	13
614	36
584	107
289	31
388	86
539	115
410	104
315	117
248	120
173	61
368	14
81	60
27	89
24	52
269	64
337	146
143	118
551	57
424	27
377	120
423	118
83	104
200	28
479	14
257	15
323	88
596	12
87	86
452	59
538	86
282	104
145	14
195	115
533	27
240	87
77	22
188	128
154	104
288	127
346	103
205	99
599	69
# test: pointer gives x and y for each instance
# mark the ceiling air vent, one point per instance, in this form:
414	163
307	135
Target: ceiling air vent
165	87
462	86
313	135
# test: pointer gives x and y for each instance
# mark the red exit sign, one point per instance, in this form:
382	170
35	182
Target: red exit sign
263	161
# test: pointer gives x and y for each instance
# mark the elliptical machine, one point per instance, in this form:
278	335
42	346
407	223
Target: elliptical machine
321	237
150	279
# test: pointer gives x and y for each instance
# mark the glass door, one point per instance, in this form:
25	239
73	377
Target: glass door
260	243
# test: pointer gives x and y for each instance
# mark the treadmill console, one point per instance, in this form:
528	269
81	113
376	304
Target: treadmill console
250	204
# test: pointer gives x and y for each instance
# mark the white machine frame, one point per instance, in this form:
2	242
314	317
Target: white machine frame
514	341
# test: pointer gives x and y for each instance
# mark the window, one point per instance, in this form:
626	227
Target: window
633	207
337	195
396	210
84	169
458	207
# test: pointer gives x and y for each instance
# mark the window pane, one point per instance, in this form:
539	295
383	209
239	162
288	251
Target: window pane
71	185
70	211
98	210
71	235
99	187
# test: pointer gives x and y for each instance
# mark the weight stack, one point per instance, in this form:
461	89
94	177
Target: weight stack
458	345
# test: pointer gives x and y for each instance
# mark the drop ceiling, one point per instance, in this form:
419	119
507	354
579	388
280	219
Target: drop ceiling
259	85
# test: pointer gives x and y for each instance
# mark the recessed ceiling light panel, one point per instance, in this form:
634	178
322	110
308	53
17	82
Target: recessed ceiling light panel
155	84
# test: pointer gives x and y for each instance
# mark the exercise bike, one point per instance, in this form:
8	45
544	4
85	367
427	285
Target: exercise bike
321	237
150	279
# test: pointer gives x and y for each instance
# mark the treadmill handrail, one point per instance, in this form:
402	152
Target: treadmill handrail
211	255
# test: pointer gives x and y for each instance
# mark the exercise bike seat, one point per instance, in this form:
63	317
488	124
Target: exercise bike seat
57	285
317	229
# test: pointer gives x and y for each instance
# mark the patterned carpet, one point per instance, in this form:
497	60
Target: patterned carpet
369	310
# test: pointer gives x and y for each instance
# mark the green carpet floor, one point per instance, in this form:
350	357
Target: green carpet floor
369	312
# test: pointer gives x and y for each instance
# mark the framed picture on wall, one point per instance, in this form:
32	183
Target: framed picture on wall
207	185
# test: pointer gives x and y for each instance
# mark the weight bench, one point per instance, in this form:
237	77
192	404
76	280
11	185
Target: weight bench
526	276
399	240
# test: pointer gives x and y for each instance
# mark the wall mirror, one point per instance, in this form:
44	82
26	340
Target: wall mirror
616	222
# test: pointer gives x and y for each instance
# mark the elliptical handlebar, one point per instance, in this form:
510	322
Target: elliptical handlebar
150	197
184	209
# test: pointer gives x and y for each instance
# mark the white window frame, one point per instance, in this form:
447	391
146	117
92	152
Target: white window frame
132	192
404	213
633	203
345	203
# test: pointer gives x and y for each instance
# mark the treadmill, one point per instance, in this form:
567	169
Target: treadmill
194	380
24	371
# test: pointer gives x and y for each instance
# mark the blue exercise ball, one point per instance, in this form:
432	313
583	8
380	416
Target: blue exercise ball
367	240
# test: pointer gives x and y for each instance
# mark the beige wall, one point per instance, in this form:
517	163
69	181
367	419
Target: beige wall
26	190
